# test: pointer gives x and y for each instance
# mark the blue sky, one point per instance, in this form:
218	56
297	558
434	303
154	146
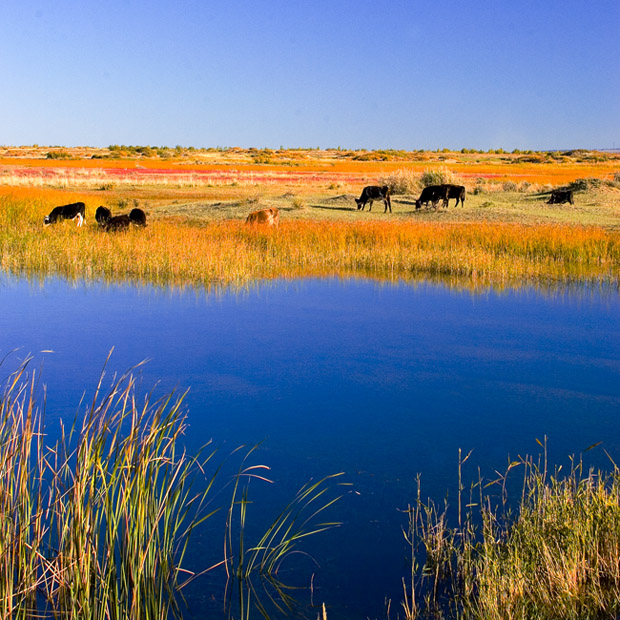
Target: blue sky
401	74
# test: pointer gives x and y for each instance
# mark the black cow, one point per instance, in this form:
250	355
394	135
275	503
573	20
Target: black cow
138	217
559	197
433	194
103	215
454	191
118	222
374	192
73	211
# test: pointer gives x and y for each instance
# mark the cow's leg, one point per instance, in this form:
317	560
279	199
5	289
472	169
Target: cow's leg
388	203
370	205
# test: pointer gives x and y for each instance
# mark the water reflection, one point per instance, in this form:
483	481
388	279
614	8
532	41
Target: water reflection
380	379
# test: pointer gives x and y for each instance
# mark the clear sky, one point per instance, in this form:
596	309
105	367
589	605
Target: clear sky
402	74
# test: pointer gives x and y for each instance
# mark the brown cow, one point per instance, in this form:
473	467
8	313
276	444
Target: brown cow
270	216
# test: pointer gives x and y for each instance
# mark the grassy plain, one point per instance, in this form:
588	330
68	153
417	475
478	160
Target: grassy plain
197	201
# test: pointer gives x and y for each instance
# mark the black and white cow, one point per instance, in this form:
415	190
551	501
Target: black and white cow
374	192
73	211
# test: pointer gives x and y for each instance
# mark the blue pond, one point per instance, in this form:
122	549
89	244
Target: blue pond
381	381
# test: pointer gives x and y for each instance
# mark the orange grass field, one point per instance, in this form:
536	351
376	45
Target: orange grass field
500	237
172	251
541	168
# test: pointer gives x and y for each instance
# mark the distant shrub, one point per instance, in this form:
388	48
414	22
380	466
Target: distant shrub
585	184
298	203
481	186
510	186
253	200
58	155
524	186
402	181
438	176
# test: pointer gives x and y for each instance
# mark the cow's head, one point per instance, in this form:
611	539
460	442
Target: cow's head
418	204
46	220
359	202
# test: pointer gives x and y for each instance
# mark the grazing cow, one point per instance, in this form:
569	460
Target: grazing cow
138	217
103	215
433	194
374	192
118	222
454	191
73	211
559	197
270	216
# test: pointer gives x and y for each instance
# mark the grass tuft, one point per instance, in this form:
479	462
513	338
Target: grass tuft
556	556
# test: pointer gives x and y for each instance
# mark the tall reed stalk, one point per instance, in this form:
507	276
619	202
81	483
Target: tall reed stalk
249	566
95	526
552	553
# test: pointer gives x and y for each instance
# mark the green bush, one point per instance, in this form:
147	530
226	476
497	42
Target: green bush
437	176
585	184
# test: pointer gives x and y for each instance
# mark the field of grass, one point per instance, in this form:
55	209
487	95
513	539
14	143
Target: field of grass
197	201
217	184
219	252
96	524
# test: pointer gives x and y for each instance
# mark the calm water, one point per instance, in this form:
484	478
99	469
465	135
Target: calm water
380	381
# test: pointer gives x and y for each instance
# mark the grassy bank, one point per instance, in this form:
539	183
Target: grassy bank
96	524
551	552
199	252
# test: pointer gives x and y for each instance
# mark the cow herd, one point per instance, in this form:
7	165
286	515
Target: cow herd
431	195
77	211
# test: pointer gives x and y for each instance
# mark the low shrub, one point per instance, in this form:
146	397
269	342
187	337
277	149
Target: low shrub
585	184
402	181
439	176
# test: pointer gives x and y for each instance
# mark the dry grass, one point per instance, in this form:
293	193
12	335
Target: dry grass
177	251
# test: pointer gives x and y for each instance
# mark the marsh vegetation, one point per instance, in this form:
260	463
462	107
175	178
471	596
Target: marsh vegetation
100	521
